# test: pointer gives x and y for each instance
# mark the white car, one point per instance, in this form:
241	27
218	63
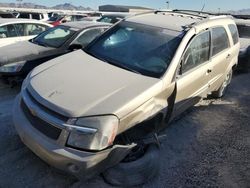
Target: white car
15	30
33	15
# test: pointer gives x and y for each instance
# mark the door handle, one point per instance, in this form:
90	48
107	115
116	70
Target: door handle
209	71
228	56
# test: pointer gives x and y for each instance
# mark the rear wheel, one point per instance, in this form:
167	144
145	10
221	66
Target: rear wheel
222	90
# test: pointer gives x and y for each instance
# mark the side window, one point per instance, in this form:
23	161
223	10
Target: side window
35	16
197	53
24	15
8	31
86	37
234	32
34	29
3	32
220	40
20	29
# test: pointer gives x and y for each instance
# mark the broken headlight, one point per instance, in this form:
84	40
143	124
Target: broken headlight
92	133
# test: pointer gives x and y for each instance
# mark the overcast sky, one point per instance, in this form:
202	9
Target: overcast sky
180	4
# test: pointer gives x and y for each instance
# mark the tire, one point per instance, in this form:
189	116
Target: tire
127	174
222	90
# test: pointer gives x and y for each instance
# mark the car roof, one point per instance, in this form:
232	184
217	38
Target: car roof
177	21
85	24
170	20
19	20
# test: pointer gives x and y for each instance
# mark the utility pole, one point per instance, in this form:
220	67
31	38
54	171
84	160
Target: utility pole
167	4
219	10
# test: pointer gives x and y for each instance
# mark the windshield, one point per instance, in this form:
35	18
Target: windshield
54	37
244	31
136	47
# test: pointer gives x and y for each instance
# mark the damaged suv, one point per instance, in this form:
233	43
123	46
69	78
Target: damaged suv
99	110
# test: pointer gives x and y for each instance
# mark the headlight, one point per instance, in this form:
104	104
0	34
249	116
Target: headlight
12	67
93	133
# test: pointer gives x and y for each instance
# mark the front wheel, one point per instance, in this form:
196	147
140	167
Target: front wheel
139	169
222	90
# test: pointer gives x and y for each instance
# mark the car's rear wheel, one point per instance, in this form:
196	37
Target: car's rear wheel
136	169
222	90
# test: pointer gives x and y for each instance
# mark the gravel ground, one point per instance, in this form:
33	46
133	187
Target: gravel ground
209	146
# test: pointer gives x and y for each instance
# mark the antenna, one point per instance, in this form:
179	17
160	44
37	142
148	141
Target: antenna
203	7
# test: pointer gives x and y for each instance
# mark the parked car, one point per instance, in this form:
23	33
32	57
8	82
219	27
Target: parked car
243	26
4	14
59	19
86	111
112	18
15	30
20	58
33	15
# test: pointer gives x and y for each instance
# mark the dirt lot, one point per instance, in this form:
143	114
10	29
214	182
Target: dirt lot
209	146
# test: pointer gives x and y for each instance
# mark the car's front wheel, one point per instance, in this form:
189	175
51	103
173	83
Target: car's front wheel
136	169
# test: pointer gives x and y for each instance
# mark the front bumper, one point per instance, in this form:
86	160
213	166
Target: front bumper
81	164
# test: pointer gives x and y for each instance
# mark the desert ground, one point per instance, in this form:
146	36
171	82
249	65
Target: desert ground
208	146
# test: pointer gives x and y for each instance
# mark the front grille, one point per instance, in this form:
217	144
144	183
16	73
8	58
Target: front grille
41	125
47	110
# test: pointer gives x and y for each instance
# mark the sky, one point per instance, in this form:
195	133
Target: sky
214	5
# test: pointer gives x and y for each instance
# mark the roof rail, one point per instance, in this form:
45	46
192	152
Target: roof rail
180	11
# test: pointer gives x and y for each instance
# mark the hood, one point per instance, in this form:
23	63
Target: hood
21	51
78	85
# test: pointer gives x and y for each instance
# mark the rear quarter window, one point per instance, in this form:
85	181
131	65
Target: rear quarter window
234	32
220	40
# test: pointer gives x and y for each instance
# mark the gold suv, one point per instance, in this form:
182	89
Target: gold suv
86	111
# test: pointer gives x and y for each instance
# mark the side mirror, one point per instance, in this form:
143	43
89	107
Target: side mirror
73	47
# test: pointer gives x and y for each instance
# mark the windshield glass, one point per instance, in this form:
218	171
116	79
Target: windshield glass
54	37
244	31
136	47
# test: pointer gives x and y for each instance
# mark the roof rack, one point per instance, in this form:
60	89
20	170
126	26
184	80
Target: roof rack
180	11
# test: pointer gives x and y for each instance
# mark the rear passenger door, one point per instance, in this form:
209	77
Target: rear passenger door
192	79
220	57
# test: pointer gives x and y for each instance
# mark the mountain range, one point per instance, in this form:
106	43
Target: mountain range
69	6
65	6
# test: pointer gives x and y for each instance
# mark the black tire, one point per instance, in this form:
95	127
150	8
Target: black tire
222	90
128	174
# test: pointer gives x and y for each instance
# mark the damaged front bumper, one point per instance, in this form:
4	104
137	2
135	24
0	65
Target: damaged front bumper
82	164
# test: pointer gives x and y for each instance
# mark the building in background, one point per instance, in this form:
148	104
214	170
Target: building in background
122	8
